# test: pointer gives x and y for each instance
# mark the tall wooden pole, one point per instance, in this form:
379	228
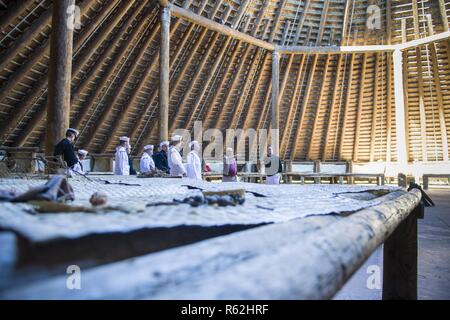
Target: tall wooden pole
164	70
275	101
60	73
402	151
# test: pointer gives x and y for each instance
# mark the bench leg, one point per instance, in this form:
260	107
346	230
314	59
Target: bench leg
400	260
341	180
302	180
425	183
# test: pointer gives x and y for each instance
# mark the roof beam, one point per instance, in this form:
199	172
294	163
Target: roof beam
334	49
363	49
215	26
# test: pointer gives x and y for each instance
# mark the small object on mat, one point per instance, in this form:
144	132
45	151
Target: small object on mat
265	208
240	192
192	187
98	199
154	174
122	183
216	198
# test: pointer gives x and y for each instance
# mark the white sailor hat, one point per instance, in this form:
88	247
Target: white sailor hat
193	142
148	147
75	131
176	137
82	152
164	143
124	138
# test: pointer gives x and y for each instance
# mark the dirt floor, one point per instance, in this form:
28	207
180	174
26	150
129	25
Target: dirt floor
434	257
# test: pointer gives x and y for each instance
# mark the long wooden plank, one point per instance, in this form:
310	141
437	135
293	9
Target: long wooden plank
363	49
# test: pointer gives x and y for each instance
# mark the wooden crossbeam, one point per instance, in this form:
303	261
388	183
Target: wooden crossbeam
215	26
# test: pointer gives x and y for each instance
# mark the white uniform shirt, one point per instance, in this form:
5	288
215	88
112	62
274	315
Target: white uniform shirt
175	162
77	167
147	164
122	166
194	166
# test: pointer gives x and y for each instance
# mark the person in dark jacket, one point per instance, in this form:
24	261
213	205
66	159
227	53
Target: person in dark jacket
65	148
160	158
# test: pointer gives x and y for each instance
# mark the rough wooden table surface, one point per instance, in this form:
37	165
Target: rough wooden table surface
317	236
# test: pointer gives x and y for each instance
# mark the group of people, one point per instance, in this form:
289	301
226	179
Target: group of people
167	159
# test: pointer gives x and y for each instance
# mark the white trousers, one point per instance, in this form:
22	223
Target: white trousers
275	179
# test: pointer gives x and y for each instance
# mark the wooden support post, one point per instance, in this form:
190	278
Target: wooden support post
275	101
400	260
164	70
376	84
402	151
59	75
359	111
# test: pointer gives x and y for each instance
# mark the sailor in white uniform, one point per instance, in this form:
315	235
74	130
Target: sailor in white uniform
174	158
122	166
147	164
194	163
78	167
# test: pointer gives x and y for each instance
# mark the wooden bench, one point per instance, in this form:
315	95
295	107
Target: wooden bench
426	178
216	172
296	169
102	162
404	180
266	262
252	176
23	158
